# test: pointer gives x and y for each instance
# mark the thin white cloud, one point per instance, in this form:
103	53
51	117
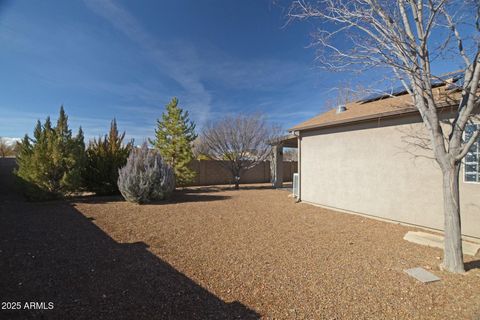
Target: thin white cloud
264	74
178	68
203	76
191	68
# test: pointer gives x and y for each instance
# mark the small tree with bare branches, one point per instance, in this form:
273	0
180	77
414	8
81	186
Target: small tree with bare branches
403	36
240	142
345	93
6	149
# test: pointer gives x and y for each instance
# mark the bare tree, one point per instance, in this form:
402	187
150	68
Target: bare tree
346	93
240	141
6	149
198	149
290	154
402	36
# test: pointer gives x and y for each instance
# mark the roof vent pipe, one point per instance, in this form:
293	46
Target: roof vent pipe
341	108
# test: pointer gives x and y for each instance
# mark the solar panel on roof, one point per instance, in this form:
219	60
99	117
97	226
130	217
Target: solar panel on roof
457	81
380	95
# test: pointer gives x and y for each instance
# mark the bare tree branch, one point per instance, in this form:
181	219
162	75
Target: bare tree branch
399	35
240	142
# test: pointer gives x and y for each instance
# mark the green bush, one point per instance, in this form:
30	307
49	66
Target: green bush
51	164
104	158
146	177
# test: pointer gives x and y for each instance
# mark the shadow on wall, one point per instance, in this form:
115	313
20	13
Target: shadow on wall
50	252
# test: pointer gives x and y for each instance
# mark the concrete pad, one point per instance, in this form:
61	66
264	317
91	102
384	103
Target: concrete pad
422	275
434	240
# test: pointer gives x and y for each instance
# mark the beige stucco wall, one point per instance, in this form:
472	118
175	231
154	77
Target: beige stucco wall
369	168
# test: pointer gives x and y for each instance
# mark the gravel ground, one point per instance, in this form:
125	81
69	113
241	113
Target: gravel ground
219	253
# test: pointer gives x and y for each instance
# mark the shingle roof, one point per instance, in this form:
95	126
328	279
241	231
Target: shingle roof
359	111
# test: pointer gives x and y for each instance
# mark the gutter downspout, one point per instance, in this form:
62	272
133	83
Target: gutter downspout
299	162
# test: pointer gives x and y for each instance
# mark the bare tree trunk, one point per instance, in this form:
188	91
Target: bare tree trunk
453	258
236	179
398	35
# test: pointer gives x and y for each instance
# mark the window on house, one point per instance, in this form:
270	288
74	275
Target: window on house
472	163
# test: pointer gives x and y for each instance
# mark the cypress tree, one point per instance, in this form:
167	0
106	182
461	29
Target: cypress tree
104	157
174	136
51	164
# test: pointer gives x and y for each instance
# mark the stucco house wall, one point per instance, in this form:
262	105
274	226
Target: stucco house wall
369	168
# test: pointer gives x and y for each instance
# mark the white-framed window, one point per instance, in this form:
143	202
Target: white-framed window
472	159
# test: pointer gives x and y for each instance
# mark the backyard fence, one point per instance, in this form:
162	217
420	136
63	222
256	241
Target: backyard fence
210	172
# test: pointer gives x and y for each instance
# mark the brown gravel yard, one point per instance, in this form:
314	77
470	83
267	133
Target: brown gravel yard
219	253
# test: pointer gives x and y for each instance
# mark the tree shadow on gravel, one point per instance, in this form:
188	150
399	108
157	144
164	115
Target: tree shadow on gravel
50	252
180	196
177	197
472	265
202	189
221	188
187	194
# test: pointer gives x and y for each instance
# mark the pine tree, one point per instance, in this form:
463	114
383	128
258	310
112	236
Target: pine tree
52	163
104	157
175	134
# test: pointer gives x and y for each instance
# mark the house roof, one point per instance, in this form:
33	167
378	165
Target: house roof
358	111
288	141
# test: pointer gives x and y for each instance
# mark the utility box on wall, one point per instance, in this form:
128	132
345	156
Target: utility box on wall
296	185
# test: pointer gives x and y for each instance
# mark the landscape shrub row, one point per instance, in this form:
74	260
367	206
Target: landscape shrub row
55	163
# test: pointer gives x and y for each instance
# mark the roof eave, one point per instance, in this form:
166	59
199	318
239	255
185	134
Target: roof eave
403	112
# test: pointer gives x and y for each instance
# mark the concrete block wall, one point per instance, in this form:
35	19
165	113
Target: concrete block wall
210	172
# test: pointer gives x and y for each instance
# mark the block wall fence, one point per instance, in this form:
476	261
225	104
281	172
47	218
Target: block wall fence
209	172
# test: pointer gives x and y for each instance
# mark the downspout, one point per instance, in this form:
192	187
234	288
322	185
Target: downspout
299	163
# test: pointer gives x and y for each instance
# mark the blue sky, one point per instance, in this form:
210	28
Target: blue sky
127	59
